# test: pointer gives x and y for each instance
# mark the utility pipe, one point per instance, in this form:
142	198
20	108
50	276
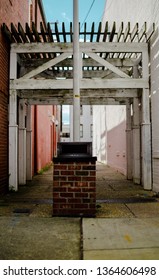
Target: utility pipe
76	74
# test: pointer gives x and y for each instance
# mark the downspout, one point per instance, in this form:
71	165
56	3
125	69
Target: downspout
36	12
41	7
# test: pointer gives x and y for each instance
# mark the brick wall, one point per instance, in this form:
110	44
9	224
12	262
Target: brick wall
74	188
10	11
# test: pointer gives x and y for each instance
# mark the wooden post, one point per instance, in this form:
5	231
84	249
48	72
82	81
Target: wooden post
129	140
13	128
146	129
29	145
22	143
136	136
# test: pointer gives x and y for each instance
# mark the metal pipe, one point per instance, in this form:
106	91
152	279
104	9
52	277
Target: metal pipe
76	74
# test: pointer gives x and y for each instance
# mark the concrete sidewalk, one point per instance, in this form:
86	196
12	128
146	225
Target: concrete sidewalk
126	224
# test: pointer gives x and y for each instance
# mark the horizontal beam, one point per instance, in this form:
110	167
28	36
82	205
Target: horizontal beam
84	83
113	47
85	93
86	62
69	101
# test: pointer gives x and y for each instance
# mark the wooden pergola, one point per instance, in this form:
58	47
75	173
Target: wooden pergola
114	69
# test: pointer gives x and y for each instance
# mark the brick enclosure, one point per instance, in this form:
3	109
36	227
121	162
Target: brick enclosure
74	188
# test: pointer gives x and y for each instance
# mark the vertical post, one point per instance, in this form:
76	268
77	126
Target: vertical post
76	75
146	128
29	145
22	143
136	136
13	127
129	141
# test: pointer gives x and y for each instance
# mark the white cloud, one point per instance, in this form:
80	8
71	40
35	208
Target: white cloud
64	15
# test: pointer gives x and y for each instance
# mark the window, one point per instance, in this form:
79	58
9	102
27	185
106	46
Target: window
81	109
81	130
91	110
91	130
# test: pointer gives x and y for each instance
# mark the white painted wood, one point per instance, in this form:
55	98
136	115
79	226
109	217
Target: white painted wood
126	62
146	142
134	47
146	129
13	128
85	83
22	143
88	93
108	65
29	145
128	140
136	142
45	66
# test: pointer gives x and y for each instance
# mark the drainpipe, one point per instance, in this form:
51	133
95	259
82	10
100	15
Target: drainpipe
36	12
76	71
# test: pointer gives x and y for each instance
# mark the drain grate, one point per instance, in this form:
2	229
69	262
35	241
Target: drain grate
22	211
128	200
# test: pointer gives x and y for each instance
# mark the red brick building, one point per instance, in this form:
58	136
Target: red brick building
14	11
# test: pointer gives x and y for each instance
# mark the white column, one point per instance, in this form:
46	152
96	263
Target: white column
22	143
29	145
13	128
129	141
136	136
146	129
136	142
76	75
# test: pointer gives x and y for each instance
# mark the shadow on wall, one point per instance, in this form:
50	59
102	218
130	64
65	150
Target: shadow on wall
116	147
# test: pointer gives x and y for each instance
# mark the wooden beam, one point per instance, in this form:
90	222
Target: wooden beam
45	66
108	65
84	84
86	62
112	47
105	93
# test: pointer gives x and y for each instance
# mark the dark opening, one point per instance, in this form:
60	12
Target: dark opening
77	149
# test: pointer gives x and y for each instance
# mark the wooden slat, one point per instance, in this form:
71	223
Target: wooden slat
142	32
50	37
92	32
43	33
7	33
99	32
15	33
29	33
22	33
150	32
120	32
105	32
112	33
35	32
64	32
127	32
57	32
134	32
71	32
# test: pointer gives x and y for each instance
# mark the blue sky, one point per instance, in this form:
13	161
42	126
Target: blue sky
62	10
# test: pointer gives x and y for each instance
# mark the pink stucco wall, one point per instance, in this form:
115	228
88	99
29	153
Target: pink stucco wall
116	147
44	137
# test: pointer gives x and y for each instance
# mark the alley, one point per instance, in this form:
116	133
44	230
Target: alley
126	224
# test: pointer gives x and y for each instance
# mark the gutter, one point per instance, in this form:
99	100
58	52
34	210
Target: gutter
41	6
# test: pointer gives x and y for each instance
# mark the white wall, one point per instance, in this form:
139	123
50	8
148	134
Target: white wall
131	10
100	133
109	139
143	11
86	119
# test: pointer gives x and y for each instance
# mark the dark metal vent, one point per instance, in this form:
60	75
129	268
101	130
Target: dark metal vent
74	149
